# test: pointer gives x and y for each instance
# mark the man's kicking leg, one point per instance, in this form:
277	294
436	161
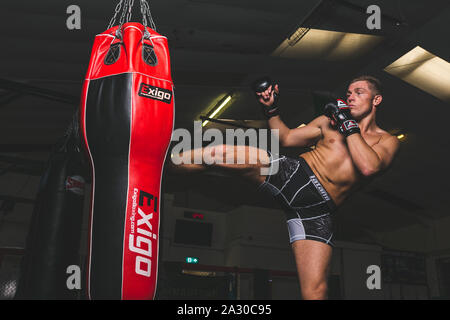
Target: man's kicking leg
243	161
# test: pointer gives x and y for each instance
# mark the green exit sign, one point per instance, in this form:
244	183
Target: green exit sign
191	260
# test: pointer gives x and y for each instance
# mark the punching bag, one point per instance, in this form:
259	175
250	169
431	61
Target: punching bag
127	116
53	240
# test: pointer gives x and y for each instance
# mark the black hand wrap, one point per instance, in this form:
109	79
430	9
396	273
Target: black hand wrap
340	113
262	85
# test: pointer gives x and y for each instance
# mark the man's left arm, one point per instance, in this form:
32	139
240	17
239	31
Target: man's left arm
371	160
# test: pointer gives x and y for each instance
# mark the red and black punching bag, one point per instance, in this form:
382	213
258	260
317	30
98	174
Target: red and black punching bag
127	116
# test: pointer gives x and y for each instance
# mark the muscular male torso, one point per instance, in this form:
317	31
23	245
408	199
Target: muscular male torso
331	161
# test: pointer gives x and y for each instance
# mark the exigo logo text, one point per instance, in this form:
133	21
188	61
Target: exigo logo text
142	232
148	91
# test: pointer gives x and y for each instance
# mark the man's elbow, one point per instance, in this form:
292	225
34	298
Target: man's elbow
370	171
283	138
284	143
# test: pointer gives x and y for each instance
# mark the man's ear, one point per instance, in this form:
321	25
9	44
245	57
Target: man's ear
377	100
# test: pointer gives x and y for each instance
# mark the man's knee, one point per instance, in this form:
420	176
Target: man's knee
235	155
218	155
315	290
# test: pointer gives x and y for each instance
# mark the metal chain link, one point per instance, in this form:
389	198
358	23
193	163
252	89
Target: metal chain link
130	7
144	19
126	6
113	19
124	10
149	14
122	19
144	15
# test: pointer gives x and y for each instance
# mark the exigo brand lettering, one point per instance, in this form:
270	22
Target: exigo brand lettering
148	91
141	242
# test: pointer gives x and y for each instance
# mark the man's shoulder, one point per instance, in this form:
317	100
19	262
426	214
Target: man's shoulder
388	139
385	135
320	121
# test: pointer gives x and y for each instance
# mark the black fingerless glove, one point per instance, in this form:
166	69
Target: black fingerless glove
271	111
261	85
340	113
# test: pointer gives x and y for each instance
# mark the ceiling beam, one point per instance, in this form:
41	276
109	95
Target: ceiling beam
362	10
23	88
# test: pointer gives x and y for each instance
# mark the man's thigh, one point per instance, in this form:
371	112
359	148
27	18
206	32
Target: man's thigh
313	260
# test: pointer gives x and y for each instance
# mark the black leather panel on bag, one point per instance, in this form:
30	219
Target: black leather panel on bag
108	121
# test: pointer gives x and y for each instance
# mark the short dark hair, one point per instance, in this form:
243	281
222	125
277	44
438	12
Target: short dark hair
374	84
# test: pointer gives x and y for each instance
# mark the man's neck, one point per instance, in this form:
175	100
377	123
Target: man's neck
368	124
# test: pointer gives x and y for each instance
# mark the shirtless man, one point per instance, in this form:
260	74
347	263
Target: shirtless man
310	188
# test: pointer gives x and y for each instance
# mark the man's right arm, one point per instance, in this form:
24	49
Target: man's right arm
299	137
305	136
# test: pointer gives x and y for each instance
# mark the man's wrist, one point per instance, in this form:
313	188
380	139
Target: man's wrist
349	127
348	134
271	111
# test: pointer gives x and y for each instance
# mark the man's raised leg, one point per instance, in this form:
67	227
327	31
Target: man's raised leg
244	161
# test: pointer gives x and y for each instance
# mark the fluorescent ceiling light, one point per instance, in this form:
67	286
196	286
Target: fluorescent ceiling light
327	45
423	70
217	110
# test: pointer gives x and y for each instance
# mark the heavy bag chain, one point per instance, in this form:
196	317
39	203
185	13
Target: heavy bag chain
126	7
113	19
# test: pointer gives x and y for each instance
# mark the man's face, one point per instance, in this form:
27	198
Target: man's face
359	99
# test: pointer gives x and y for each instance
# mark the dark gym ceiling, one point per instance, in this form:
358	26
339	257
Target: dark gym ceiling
221	46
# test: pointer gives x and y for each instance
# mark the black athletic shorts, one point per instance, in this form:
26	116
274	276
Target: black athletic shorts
306	203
